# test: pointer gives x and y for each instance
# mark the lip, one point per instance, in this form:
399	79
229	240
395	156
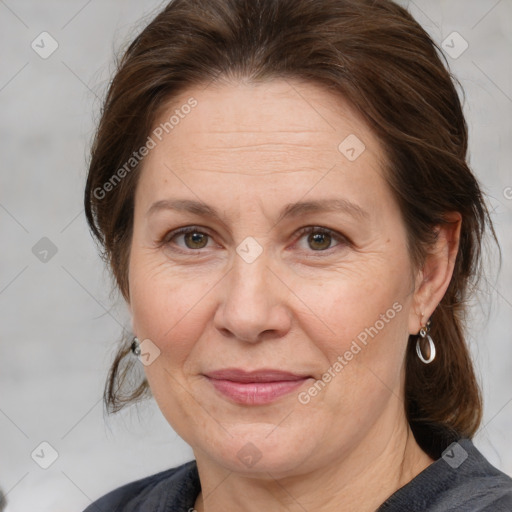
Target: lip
255	387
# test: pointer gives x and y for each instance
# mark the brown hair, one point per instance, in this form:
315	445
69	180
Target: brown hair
375	55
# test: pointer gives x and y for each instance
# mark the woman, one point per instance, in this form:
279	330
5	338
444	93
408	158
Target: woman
282	193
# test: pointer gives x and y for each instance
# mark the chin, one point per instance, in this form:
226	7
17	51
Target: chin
259	450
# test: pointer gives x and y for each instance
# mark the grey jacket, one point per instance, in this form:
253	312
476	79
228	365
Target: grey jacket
461	480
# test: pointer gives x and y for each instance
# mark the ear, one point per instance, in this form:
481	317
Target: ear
434	277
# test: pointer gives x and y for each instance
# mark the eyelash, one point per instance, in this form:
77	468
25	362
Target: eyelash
343	241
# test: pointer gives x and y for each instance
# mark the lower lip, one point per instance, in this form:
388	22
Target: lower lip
255	393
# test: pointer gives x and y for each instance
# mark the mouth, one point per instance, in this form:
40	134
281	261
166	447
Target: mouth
256	387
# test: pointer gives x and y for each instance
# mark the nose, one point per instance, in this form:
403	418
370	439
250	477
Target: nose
253	305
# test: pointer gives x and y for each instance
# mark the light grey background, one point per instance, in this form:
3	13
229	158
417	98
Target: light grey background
59	323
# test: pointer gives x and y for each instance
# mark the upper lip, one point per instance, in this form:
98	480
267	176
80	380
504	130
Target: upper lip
263	375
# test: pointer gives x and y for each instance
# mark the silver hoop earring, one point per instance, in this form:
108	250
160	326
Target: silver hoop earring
136	346
432	348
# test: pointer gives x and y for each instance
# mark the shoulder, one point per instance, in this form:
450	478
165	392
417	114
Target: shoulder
177	487
461	479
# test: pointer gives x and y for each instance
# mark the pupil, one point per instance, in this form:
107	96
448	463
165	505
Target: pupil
319	237
196	238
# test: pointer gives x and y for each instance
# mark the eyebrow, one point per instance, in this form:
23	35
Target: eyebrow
291	210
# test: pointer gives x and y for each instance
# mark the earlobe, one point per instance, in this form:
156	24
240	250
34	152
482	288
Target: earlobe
435	275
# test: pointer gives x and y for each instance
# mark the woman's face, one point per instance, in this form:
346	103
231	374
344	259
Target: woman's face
251	289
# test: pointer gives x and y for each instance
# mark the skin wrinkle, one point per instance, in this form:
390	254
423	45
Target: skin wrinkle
272	147
289	309
351	211
257	173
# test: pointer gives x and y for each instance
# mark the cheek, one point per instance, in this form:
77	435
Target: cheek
362	301
360	326
361	331
166	307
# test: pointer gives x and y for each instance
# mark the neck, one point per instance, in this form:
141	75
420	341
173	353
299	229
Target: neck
360	479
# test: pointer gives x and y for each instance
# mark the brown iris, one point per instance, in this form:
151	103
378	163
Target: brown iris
197	240
322	239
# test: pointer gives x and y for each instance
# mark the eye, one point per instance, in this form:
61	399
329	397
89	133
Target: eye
193	237
320	239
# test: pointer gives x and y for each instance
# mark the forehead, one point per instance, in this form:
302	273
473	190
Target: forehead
279	138
278	110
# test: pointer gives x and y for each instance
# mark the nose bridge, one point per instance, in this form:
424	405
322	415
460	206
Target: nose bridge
249	277
252	302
